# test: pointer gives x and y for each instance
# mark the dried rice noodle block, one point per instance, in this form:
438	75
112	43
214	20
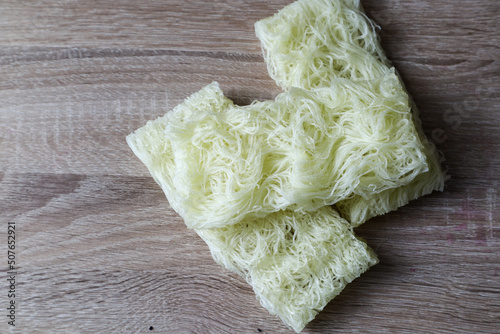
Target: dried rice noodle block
309	42
219	163
295	262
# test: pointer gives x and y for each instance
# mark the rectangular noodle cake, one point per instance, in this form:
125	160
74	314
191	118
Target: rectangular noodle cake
219	163
295	262
310	44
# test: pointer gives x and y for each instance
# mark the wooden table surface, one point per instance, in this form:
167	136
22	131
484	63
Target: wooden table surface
98	248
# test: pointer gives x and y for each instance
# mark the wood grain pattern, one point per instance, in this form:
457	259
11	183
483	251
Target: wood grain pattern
101	251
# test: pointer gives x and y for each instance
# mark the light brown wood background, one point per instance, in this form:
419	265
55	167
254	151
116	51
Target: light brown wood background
100	250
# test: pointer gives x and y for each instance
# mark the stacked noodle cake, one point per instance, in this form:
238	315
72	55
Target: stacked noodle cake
256	182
